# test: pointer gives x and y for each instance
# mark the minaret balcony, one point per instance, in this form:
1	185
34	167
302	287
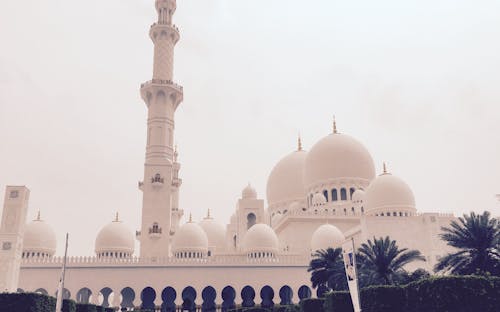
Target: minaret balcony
153	86
161	31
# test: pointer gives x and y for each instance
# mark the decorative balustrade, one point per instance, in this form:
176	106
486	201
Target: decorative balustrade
165	24
162	82
216	260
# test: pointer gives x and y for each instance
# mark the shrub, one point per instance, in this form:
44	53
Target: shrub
312	305
99	308
383	298
452	294
85	307
26	302
338	301
68	306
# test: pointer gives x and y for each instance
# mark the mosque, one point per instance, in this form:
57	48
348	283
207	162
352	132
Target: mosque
315	199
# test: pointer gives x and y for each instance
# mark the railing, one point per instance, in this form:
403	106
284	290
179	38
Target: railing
163	82
216	260
165	24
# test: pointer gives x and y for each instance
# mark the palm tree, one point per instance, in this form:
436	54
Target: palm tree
477	238
327	269
381	262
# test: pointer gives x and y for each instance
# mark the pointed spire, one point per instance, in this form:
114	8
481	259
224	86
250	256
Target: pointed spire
334	125
38	216
299	143
116	217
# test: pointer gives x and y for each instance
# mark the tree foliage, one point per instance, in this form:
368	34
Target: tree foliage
477	240
327	269
381	262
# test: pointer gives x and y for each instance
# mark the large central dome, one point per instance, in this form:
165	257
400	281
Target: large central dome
337	156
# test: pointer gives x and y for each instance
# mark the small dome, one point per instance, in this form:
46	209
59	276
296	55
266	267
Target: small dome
286	180
326	236
358	196
216	233
115	238
337	156
190	237
388	193
249	192
260	238
39	237
318	199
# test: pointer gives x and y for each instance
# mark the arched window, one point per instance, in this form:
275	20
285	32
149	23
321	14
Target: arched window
352	209
394	214
382	214
351	191
325	193
362	209
251	220
343	194
334	195
345	211
234	241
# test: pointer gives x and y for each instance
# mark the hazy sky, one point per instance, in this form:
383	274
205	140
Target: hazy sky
416	81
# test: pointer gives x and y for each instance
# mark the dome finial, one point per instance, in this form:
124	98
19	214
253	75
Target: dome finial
299	143
334	125
38	216
384	168
116	217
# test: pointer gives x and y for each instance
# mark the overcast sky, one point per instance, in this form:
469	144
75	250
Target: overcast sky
416	81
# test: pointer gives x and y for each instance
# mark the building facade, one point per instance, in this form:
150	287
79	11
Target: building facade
316	199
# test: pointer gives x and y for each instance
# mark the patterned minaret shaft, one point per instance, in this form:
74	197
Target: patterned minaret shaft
162	97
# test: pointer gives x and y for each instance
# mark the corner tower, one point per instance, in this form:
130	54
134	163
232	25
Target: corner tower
162	97
11	236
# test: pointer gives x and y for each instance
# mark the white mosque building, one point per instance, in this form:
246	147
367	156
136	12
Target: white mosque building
315	199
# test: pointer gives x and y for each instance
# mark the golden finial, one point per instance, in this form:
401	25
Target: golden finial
116	217
38	215
190	218
299	143
334	125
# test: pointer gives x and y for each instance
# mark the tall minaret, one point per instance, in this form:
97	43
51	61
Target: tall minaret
162	96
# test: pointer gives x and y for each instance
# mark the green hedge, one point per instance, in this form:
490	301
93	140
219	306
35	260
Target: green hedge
26	302
383	298
85	307
312	305
435	294
338	301
33	302
453	294
68	306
